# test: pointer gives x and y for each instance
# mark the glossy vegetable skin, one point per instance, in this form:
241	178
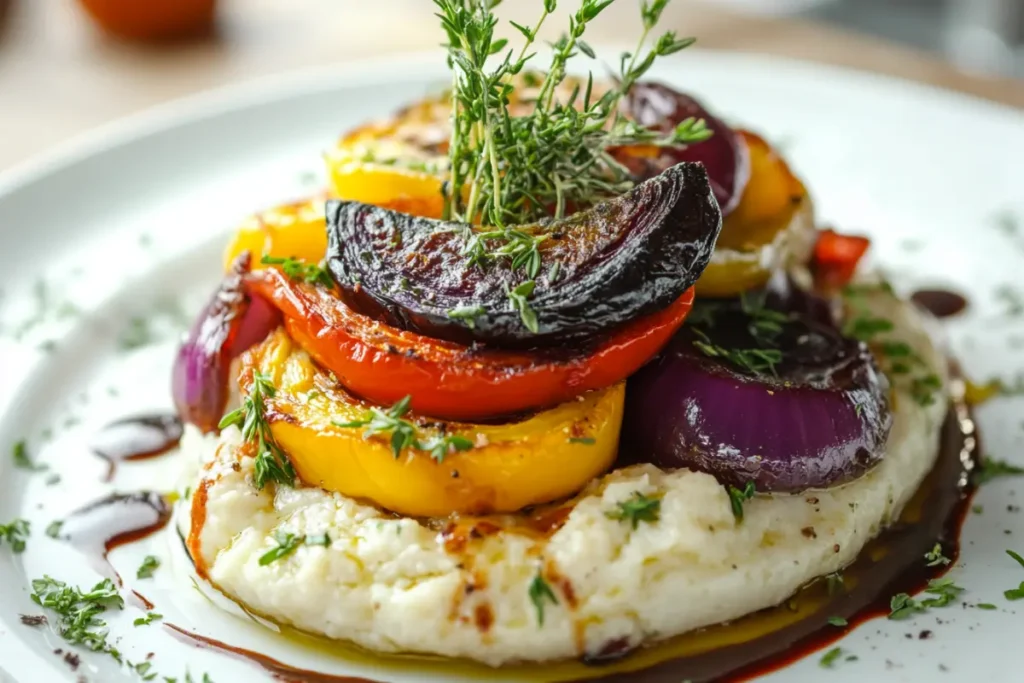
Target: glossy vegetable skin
294	230
771	228
724	155
231	322
836	257
532	460
623	259
447	380
820	420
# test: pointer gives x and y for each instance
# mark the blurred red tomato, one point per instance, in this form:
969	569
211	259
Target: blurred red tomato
151	19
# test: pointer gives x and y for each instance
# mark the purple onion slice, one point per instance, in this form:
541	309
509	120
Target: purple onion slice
753	394
231	323
724	154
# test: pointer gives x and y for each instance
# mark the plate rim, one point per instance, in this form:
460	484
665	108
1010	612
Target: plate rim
223	99
232	99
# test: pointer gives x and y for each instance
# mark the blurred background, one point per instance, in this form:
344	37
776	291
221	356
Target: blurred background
70	65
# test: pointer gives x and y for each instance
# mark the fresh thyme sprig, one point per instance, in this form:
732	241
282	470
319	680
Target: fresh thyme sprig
552	155
271	463
403	432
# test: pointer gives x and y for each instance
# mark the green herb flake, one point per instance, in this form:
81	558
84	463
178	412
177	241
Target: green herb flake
301	271
467	314
638	508
837	621
148	619
19	453
540	592
866	327
1018	592
986	606
288	543
990	469
945	592
147	568
78	613
15	533
935	557
831	657
54	527
737	497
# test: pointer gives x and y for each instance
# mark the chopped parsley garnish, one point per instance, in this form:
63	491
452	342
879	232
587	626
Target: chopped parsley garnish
1018	592
540	592
986	605
148	619
271	463
737	497
831	657
990	469
404	433
638	508
935	557
54	527
78	613
837	621
299	270
902	606
288	543
148	566
15	534
19	453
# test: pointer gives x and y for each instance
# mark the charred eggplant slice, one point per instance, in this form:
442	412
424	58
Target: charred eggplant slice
599	268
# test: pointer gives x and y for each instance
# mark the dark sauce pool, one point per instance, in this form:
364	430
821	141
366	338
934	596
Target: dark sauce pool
942	303
136	438
110	522
749	647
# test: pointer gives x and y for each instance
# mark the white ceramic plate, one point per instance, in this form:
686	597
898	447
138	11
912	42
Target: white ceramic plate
133	218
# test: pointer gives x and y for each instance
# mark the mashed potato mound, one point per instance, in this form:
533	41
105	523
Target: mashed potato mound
402	585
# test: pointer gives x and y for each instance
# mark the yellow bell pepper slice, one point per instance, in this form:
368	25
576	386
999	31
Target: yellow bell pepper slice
292	230
546	456
771	227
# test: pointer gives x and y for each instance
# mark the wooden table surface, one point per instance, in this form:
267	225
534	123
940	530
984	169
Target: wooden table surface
59	76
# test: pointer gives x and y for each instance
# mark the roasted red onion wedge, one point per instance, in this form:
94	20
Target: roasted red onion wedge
724	154
232	322
748	393
622	259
